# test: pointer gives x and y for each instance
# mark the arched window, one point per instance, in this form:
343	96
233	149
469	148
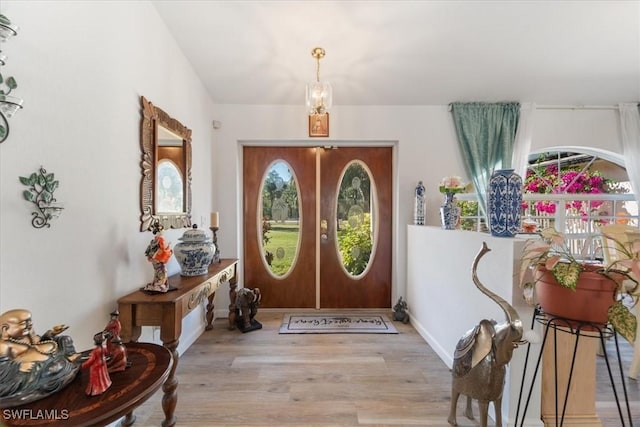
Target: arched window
574	189
577	190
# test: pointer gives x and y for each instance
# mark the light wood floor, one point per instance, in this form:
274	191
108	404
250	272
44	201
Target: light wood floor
261	378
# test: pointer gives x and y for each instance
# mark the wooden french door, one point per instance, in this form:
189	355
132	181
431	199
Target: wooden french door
298	288
317	277
372	289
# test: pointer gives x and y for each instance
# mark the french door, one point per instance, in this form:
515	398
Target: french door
317	226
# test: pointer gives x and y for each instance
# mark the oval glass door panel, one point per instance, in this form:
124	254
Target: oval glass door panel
279	219
356	218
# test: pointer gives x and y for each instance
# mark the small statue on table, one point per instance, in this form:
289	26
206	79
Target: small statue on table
99	380
116	351
158	253
33	366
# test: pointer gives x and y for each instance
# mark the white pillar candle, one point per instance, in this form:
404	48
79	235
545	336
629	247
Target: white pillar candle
214	219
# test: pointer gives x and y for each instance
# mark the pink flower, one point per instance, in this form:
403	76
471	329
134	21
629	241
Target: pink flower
546	180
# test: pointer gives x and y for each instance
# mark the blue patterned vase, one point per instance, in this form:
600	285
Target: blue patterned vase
504	202
449	212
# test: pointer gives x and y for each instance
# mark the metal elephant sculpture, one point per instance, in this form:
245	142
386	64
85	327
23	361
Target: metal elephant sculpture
481	356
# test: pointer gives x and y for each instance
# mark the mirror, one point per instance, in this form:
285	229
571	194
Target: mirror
166	169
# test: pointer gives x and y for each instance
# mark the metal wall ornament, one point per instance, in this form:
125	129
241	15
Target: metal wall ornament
9	104
41	188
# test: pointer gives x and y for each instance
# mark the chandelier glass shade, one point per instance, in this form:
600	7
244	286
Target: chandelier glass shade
319	95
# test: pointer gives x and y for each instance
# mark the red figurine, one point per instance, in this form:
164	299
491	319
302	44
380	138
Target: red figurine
118	357
99	380
113	328
116	351
158	253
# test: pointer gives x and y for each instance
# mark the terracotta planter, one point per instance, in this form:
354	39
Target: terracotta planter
590	301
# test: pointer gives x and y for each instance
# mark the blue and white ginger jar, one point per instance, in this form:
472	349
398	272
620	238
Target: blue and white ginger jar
195	252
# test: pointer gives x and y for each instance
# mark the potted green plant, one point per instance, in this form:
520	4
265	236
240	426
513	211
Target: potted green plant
569	287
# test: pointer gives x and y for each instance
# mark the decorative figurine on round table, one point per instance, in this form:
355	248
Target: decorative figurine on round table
99	380
116	351
33	366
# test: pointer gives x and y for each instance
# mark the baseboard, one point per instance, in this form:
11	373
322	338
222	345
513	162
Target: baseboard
435	345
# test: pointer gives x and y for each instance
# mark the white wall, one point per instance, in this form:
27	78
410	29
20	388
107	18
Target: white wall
444	303
81	68
580	127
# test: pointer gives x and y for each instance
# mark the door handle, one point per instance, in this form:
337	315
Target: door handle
324	225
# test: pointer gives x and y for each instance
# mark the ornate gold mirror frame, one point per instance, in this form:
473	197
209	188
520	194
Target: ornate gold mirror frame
154	120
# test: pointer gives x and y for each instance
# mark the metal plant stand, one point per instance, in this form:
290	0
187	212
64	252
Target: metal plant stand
576	328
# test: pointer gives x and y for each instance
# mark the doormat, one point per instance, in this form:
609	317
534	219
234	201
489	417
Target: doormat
336	324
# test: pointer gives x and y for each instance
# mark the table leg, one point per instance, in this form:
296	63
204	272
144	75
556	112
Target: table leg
210	307
233	283
170	386
129	332
129	419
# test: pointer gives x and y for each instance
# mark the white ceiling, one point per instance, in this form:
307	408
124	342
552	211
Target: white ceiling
412	52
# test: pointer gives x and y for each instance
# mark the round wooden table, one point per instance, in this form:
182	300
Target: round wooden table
150	365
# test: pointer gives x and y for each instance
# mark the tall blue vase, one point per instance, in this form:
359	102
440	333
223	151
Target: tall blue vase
504	202
449	212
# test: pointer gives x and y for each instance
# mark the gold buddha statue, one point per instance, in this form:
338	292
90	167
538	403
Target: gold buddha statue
32	366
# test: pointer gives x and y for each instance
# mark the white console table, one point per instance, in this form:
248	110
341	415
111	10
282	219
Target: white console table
444	302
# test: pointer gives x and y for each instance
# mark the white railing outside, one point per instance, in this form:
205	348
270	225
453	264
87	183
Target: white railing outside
581	226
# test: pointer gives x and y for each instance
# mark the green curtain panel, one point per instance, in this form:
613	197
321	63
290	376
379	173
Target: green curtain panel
486	134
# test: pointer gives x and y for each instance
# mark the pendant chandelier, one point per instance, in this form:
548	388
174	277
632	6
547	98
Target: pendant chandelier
319	94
